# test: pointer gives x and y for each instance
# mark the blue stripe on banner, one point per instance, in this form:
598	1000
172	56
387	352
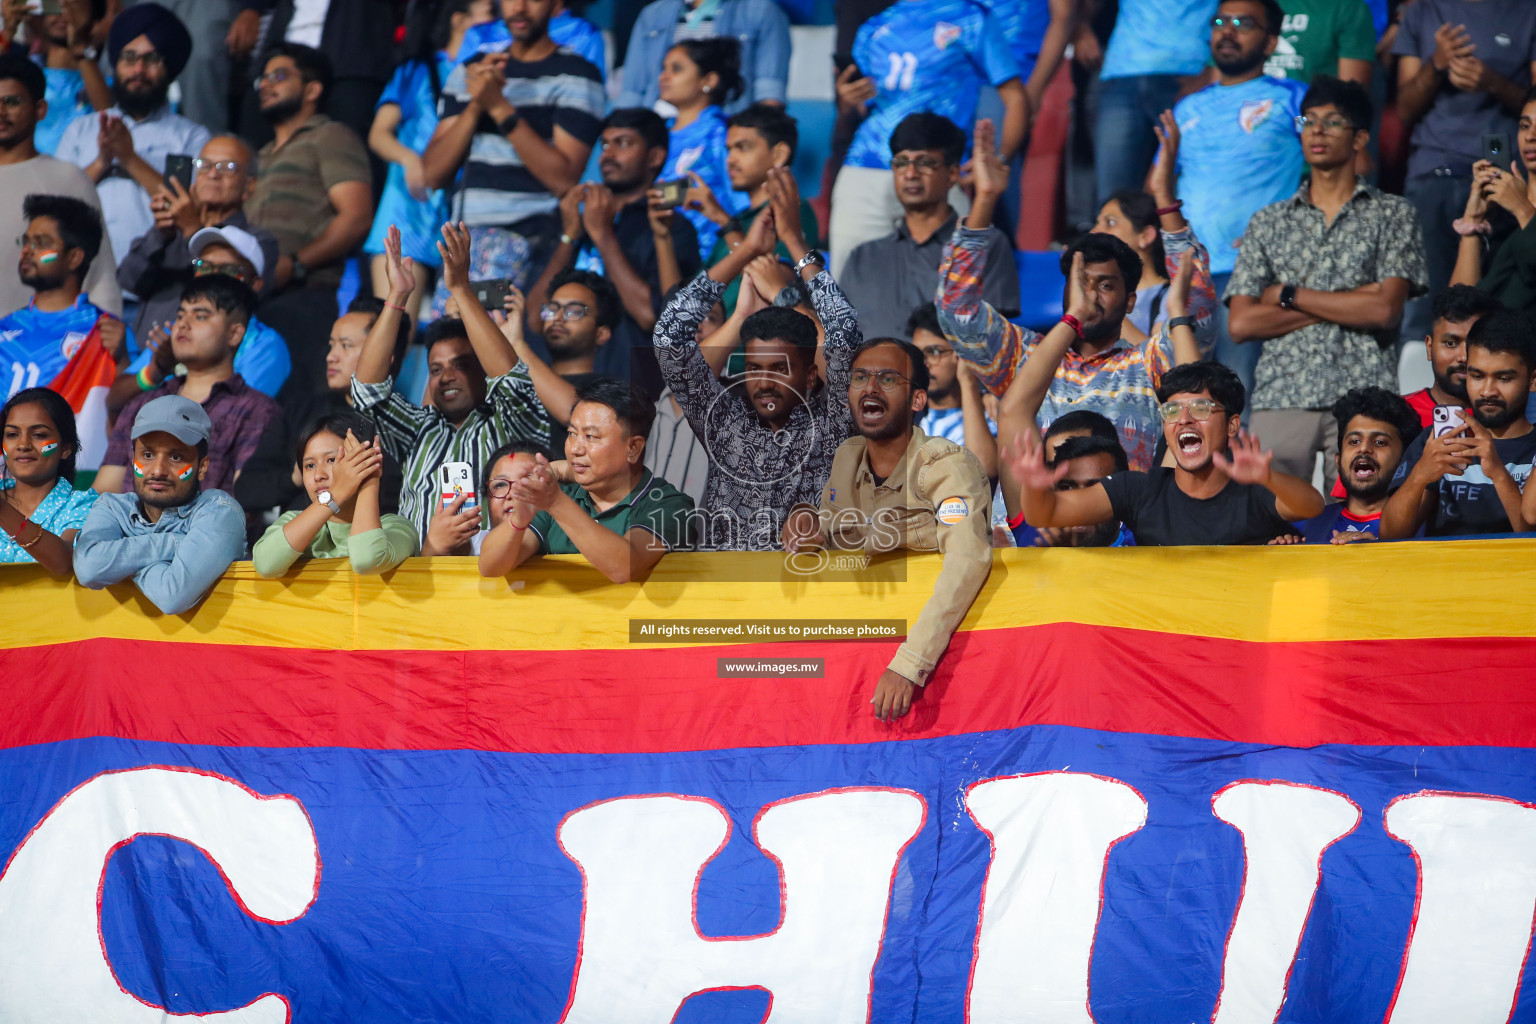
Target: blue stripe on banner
445	895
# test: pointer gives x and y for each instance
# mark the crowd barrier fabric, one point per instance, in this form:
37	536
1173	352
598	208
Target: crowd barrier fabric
1155	786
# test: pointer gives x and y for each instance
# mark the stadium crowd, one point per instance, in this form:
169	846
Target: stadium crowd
589	311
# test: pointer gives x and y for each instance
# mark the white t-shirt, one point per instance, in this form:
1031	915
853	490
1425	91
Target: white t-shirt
308	23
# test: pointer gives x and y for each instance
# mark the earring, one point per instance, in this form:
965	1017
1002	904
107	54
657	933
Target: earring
706	90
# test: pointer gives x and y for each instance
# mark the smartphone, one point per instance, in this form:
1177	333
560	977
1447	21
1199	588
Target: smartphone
178	167
454	479
842	61
46	8
492	293
673	192
1496	149
1446	419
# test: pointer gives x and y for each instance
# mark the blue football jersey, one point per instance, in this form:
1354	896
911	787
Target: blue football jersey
36	346
1024	22
1239	152
1159	37
926	55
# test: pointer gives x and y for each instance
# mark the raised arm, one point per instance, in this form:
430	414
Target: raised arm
215	537
597	213
1249	463
379	347
491	346
1039	500
555	393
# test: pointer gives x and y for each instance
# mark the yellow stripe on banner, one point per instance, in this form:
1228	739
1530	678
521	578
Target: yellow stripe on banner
1480	588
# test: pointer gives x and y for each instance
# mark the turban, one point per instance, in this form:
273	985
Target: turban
163	28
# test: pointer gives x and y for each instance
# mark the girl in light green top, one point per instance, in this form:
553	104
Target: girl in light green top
341	475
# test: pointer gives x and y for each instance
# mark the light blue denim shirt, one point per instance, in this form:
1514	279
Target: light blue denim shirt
172	561
761	26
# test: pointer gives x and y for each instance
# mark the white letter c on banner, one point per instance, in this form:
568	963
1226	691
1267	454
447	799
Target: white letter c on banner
53	963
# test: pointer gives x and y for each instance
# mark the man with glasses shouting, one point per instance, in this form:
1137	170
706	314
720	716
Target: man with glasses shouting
892	486
1321	280
1223	487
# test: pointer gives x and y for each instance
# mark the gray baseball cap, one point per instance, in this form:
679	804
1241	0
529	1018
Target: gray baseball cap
180	417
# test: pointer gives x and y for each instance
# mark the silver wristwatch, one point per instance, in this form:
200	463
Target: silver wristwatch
810	257
324	498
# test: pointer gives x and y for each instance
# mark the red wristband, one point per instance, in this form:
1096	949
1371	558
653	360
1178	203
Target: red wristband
402	309
1074	323
1163	211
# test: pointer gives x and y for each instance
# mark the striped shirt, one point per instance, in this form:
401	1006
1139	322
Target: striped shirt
421	439
563	90
1120	382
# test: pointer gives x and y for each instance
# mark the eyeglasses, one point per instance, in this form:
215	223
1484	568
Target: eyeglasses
1239	22
936	352
923	164
889	380
149	58
14	101
35	242
1327	126
276	76
1199	408
217	166
570	312
501	487
201	266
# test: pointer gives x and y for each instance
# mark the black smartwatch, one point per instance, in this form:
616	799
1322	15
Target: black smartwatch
508	123
1288	296
1182	321
300	273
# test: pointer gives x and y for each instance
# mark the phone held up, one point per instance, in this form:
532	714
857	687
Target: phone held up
492	293
454	479
673	192
178	167
1446	420
1496	149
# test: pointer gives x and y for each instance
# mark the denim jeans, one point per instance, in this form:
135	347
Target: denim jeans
1123	141
1439	197
1240	359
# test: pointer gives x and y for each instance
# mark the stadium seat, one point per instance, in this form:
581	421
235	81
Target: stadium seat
1039	289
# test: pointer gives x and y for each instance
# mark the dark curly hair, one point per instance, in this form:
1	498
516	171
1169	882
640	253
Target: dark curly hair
1378	404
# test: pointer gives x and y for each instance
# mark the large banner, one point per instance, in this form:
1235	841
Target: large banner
1144	786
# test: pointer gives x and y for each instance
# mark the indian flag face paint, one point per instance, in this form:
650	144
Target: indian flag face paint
139	470
47	256
186	474
49	447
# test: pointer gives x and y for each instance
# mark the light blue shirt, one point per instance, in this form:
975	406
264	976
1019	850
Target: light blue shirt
1239	152
173	561
64	509
66	101
926	55
1159	37
124	203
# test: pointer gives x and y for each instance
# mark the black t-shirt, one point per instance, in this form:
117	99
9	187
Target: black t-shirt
629	354
1469	503
1159	514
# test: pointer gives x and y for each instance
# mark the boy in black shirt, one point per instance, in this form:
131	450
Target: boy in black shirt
1222	489
1468	480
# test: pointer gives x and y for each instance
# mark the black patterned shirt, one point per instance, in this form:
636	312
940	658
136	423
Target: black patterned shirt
1373	237
757	474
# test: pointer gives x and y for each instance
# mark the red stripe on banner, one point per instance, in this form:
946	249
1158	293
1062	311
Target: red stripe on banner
1444	692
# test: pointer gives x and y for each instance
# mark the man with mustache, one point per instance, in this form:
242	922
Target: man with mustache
1237	150
1468	480
123	149
1456	310
1375	428
170	535
892	486
610	229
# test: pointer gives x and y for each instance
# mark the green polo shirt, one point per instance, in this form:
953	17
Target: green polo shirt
654	505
